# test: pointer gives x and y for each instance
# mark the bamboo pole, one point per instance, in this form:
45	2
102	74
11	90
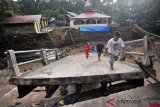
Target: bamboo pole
145	32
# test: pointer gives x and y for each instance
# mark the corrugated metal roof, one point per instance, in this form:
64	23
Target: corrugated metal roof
87	15
22	19
71	14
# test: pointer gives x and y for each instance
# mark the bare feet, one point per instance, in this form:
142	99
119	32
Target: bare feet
111	68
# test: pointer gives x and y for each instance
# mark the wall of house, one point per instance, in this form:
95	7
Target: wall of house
18	28
44	23
37	27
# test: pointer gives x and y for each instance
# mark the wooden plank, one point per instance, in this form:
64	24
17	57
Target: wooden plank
78	69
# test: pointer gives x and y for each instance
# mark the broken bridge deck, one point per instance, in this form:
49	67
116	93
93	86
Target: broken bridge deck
78	69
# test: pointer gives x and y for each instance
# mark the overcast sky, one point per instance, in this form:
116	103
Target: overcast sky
101	0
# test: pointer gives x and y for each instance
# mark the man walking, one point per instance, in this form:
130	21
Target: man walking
113	47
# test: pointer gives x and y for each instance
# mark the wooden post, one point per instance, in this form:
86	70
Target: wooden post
147	51
44	60
12	64
146	54
56	54
122	55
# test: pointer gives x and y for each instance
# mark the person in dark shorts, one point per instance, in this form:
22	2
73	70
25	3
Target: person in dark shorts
99	47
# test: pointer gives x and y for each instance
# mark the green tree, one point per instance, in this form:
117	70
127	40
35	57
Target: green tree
49	13
4	7
61	17
8	8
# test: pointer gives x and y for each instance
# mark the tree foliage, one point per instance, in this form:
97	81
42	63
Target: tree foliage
142	12
4	6
8	8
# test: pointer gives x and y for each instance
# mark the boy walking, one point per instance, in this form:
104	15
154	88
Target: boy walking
113	47
99	48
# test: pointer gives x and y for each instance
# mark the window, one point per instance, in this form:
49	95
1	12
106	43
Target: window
101	21
90	21
79	22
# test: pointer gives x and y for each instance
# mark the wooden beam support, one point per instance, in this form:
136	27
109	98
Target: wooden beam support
104	89
24	90
78	90
50	89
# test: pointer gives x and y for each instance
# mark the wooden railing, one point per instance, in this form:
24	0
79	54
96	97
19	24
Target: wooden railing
147	52
134	42
45	56
148	45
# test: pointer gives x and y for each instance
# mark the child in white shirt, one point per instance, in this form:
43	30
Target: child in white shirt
113	47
